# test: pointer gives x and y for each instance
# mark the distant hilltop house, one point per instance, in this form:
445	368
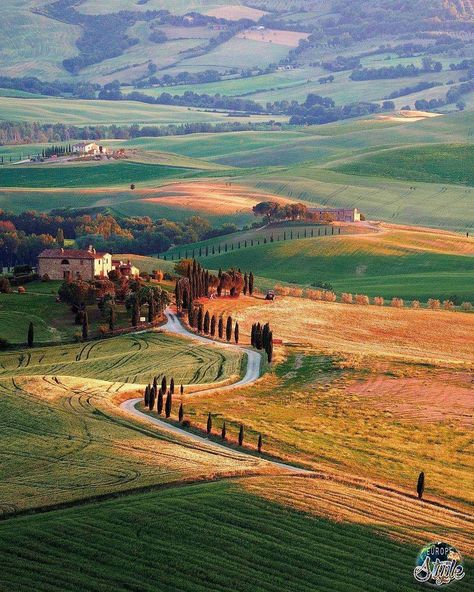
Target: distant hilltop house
71	264
125	268
337	215
88	148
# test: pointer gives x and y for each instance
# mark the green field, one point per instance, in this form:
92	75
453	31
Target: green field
204	537
449	163
81	112
86	174
356	265
128	358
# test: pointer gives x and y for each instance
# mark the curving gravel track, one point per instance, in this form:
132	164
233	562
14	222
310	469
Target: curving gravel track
252	373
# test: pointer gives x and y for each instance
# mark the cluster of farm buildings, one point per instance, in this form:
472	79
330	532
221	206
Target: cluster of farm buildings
71	264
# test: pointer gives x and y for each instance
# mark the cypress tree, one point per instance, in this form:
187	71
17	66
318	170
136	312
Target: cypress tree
151	402
112	318
191	315
420	486
228	329
241	435
236	332
251	279
85	325
168	405
259	445
252	336
172	386
180	413
224	432
181	390
221	327
31	334
207	322
60	237
159	407
200	320
147	395
209	423
269	349
135	313
213	325
163	384
246	283
151	310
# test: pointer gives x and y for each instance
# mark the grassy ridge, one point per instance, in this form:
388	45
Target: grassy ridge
358	265
432	164
165	541
88	175
129	358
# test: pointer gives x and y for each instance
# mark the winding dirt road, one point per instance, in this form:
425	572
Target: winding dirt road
252	373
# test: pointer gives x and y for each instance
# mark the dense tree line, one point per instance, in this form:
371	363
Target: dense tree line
16	132
398	71
408	90
23	236
196	282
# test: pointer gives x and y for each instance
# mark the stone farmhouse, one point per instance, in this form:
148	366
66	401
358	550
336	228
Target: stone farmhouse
338	214
71	264
88	148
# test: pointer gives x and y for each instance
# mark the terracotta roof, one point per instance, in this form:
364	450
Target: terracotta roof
69	254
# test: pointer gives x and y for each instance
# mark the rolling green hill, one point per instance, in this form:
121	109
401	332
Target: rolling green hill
86	174
199	538
446	163
388	265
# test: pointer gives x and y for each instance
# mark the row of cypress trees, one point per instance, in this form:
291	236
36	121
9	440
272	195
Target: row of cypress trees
206	251
262	338
153	394
207	325
224	433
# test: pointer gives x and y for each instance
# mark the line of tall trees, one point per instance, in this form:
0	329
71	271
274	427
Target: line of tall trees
196	282
158	396
261	338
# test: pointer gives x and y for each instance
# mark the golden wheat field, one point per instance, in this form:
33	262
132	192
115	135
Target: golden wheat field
421	335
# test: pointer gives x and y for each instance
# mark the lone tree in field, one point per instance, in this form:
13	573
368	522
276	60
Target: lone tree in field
168	405
221	327
85	325
159	406
180	413
31	335
224	432
236	333
420	486
228	329
241	435
259	445
163	384
209	423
